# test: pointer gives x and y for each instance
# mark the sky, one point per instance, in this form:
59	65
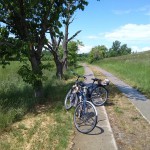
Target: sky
105	21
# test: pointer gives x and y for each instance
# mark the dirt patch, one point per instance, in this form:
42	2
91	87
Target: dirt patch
130	129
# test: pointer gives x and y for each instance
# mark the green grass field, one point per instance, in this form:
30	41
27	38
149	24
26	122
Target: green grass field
134	69
26	123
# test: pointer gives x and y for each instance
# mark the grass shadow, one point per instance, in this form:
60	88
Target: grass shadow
16	102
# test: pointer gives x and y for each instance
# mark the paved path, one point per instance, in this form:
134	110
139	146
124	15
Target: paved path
101	138
141	103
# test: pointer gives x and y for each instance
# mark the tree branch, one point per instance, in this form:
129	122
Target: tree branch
74	35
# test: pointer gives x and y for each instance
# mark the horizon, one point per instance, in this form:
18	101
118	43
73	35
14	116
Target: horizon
103	22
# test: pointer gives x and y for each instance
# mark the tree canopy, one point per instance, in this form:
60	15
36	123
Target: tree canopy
100	52
29	21
97	53
117	49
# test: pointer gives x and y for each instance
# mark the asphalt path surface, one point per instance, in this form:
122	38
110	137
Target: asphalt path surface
101	138
141	103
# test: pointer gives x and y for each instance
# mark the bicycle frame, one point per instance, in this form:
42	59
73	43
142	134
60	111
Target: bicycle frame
78	95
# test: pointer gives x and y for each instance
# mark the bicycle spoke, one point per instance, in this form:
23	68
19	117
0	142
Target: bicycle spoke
99	96
86	121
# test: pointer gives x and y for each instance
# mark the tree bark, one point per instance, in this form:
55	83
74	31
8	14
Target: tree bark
59	69
37	84
59	65
53	48
65	56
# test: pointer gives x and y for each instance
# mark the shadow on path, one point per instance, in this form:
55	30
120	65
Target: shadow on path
97	130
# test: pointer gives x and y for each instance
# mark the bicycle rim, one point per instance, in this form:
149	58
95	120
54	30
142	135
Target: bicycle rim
85	119
99	96
67	102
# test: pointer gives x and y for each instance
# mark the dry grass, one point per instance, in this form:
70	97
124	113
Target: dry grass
43	130
131	130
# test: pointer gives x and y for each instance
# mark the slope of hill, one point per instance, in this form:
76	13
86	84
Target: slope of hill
133	68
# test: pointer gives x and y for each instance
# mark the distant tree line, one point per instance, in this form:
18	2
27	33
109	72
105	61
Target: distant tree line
100	52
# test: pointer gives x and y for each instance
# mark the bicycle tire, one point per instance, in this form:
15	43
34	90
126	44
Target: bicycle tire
85	122
99	95
68	100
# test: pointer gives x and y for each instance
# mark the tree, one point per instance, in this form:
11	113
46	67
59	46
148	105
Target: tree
5	46
125	50
58	37
117	49
97	53
29	21
83	57
72	55
8	46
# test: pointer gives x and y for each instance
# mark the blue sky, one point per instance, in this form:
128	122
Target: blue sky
102	22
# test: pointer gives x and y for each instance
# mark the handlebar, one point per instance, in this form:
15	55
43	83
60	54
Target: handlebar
78	76
100	82
96	79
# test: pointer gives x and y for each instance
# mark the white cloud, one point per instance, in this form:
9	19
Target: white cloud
136	36
84	49
135	49
130	33
143	9
145	48
121	12
138	49
92	37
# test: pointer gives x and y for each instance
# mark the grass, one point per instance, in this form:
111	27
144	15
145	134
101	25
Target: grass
118	110
134	69
27	124
131	130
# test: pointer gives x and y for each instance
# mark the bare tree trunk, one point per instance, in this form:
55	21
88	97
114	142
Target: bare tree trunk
64	45
65	56
59	65
59	70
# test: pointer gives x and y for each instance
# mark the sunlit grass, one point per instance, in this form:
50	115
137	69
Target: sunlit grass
130	129
26	123
135	69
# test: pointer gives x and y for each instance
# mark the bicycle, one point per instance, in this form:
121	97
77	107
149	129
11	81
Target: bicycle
99	92
85	115
72	98
96	93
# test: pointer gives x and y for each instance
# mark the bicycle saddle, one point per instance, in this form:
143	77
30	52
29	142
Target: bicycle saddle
96	79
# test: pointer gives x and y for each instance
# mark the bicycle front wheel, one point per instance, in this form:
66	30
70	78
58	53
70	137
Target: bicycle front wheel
85	117
99	95
70	100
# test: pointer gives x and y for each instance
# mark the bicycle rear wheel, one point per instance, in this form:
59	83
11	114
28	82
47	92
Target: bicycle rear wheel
85	117
99	95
